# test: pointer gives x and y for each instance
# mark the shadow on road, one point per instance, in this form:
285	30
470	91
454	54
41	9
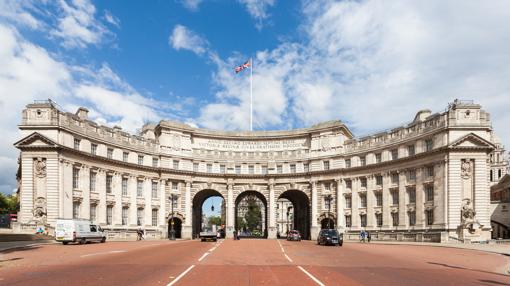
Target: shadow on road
468	269
20	248
493	282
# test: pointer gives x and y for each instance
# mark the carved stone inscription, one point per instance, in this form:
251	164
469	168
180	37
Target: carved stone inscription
39	211
252	145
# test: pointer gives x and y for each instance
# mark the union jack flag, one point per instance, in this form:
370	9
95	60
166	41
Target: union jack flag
246	65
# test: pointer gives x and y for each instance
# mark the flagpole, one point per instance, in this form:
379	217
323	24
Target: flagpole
251	94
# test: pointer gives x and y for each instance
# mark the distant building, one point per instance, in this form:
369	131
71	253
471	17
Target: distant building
500	208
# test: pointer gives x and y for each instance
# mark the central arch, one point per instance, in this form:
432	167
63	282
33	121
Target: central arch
301	208
264	220
198	201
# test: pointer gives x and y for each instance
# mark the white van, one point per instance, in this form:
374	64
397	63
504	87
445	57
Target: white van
78	230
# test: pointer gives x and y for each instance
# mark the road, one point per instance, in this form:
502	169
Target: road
249	262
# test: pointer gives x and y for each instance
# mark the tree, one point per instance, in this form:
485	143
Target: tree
253	215
8	204
214	220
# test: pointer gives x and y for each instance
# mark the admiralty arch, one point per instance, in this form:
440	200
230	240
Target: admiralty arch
426	180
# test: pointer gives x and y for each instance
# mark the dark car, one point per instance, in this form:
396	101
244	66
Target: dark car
330	236
294	235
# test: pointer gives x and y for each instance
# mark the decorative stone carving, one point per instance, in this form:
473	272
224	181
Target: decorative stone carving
468	217
40	210
40	167
466	169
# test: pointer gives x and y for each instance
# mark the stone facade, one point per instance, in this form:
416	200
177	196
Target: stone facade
500	208
427	180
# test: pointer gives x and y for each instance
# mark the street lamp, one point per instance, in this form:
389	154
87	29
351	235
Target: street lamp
173	197
328	199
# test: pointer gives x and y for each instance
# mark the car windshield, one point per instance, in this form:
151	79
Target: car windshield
330	232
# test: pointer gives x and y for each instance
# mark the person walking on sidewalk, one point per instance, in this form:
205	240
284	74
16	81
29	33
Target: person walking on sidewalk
368	237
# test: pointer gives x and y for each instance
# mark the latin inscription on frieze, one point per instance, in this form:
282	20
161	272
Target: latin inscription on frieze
254	145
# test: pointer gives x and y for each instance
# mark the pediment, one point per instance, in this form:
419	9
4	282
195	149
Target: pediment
472	140
35	140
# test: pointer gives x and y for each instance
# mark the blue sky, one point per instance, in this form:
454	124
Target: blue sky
372	64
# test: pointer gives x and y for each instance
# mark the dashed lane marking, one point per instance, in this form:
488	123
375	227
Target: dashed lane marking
103	253
180	276
288	258
311	276
203	256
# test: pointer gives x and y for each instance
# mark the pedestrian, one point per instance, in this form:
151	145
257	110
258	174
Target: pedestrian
139	234
368	237
361	236
238	235
235	234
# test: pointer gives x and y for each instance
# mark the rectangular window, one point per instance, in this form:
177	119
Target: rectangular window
347	163
363	200
92	181
154	217
306	167
109	215
378	180
264	170
410	150
394	178
327	204
209	168
429	193
363	182
125	211
93	213
411	193
154	192
251	169
175	164
109	179
363	219
195	167
348	202
93	149
76	210
125	156
378	199
394	154
279	169
394	197
124	187
378	219
293	168
429	171
348	222
411	175
412	218
155	162
222	169
362	161
238	169
326	165
175	186
429	145
77	144
348	184
140	159
430	217
378	158
76	178
394	218
139	188
139	216
109	153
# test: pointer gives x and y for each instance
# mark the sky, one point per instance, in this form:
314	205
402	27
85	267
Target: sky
372	64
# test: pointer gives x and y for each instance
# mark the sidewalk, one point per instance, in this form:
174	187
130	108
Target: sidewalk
5	246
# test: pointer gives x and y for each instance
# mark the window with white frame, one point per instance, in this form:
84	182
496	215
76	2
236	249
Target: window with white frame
348	202
429	193
109	179
76	209
139	216
411	175
411	194
429	171
209	168
154	193
378	180
139	188
109	153
378	199
410	150
394	218
394	178
155	162
348	184
363	200
378	158
293	168
76	178
306	167
124	187
378	219
325	165
394	154
348	222
195	167
363	182
264	169
154	217
93	149
412	218
93	209
125	156
279	169
429	145
140	159
238	169
175	164
362	161
222	169
363	220
347	163
429	217
109	215
77	143
125	212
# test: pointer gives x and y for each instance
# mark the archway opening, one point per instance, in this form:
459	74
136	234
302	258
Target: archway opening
251	215
301	216
209	212
176	224
327	223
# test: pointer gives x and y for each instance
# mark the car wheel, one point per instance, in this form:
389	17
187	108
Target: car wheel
65	242
82	241
340	244
103	240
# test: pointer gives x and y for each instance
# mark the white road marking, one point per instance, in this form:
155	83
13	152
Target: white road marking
102	253
180	276
311	276
203	256
288	258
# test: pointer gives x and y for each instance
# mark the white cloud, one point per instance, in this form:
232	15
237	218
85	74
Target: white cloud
183	38
15	11
110	18
258	9
191	5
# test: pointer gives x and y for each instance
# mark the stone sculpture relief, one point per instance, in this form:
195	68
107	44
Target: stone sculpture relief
468	216
40	167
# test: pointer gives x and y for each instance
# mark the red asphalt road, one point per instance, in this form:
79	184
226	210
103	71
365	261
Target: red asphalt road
250	262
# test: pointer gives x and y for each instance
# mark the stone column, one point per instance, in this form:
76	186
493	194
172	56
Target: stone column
162	209
187	228
340	221
314	229
272	210
230	209
85	190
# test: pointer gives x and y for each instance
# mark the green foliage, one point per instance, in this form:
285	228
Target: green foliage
8	204
253	216
214	220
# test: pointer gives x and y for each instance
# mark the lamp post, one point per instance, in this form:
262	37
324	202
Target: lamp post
172	198
328	199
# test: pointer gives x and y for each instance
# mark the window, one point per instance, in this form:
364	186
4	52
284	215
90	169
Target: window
125	156
264	170
251	169
109	215
139	216
378	219
363	200
378	199
378	180
348	222
93	149
348	202
429	193
327	203
155	162
77	144
125	211
92	181
306	167
430	217
76	178
394	154
363	182
363	219
76	210
175	186
222	169
124	187
293	168
394	197
109	179
109	153
378	158
279	169
154	217
238	169
140	159
139	188
326	165
195	167
410	150
394	178
411	193
412	218
154	192
429	171
209	168
411	175
362	161
175	164
394	218
93	212
429	144
348	184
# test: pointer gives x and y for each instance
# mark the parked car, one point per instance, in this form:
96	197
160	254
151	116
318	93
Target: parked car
330	237
78	230
294	235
